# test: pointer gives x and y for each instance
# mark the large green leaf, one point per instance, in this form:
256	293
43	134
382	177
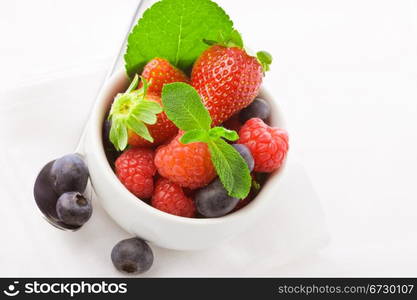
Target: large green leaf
174	30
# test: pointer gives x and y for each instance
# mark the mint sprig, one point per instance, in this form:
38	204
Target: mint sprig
174	30
131	111
231	168
184	108
177	102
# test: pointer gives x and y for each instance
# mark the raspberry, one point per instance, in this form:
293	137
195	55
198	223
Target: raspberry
135	169
268	145
170	198
187	165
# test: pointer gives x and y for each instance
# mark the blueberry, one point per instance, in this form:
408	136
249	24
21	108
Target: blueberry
106	134
246	154
73	209
132	256
111	153
259	108
69	174
213	200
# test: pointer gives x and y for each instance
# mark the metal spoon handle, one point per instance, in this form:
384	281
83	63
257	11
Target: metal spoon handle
45	196
116	61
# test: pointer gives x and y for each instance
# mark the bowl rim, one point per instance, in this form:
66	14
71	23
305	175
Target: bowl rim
96	122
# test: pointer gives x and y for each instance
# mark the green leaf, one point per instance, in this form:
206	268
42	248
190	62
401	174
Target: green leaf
139	128
118	135
184	108
174	30
195	135
235	39
210	42
265	59
218	132
231	168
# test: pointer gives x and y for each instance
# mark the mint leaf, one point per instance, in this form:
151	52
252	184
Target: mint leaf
195	135
184	108
174	30
231	168
218	132
236	39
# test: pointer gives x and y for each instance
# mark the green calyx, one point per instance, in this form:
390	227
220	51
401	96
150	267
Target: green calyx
183	106
131	111
232	39
265	59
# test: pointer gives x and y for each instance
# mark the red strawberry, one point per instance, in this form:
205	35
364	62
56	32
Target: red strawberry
135	169
188	165
158	72
227	79
161	131
268	145
170	198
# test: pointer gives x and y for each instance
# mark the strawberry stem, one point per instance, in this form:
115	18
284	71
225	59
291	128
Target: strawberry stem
134	84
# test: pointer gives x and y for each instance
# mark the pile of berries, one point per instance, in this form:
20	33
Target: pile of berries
173	170
180	179
61	184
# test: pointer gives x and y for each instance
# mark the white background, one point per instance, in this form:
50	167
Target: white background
346	72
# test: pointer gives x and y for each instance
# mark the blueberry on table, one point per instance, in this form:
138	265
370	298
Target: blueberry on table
259	108
213	200
132	256
246	154
68	174
73	209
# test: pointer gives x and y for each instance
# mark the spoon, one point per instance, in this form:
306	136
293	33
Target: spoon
45	197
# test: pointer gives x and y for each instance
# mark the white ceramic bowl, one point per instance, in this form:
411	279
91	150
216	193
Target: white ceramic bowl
142	220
